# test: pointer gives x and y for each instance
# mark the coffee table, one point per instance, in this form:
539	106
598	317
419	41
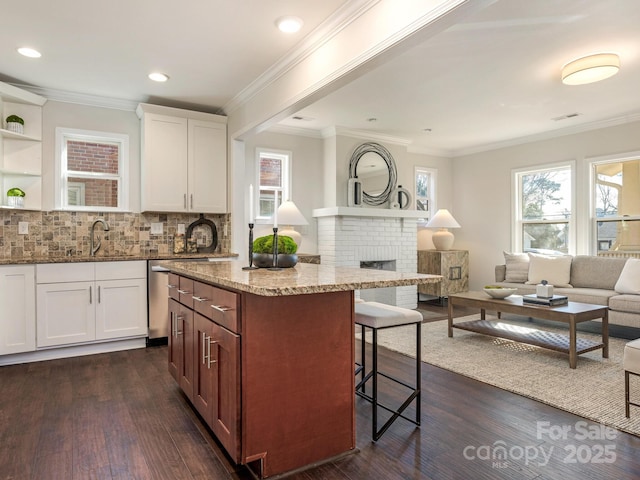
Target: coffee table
570	314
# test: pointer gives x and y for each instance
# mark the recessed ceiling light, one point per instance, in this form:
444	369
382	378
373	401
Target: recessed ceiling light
591	68
158	77
289	24
29	52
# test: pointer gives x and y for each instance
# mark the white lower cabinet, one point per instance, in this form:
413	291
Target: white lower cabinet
18	309
86	302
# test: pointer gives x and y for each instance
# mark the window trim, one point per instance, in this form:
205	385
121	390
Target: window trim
592	162
517	241
64	134
287	157
433	183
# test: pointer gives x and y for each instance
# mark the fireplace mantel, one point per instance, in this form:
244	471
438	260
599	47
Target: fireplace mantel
366	212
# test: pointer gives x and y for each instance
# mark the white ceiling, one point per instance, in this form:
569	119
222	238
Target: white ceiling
211	49
491	80
495	77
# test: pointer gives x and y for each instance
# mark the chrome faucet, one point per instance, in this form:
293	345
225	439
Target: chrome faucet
105	226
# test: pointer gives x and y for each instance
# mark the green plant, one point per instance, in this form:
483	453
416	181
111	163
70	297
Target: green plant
16	119
265	244
15	192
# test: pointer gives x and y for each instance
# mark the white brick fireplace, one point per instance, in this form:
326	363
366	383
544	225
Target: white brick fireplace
348	236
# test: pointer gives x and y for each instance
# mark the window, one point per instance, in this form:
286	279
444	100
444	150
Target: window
273	180
425	190
616	206
543	210
91	170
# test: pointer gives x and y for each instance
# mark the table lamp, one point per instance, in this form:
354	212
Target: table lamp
289	215
443	238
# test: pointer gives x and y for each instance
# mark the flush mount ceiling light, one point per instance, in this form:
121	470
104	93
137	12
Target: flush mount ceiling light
591	68
289	24
29	52
158	77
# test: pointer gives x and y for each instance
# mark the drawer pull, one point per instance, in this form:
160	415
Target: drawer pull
169	286
184	292
200	299
221	308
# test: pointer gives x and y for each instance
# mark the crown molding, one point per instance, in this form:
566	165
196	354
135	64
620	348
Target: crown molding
297	131
364	135
82	98
339	20
537	137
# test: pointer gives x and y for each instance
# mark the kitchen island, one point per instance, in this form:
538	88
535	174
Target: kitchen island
267	357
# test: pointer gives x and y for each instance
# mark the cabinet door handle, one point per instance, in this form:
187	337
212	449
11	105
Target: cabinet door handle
99	299
191	198
209	361
185	201
204	341
181	318
90	294
220	308
200	299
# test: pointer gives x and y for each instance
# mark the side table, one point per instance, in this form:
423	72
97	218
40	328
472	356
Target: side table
453	265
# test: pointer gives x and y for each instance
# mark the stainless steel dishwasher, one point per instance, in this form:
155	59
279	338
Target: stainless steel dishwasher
158	301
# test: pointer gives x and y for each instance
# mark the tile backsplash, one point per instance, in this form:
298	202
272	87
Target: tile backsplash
56	234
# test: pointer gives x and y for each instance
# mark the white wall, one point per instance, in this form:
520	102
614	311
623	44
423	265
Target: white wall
482	191
307	185
71	115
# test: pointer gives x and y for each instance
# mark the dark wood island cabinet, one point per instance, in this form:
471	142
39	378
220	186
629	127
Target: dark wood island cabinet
267	358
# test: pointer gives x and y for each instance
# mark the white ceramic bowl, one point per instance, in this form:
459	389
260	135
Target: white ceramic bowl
500	292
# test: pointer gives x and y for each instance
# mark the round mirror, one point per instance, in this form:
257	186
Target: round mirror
375	169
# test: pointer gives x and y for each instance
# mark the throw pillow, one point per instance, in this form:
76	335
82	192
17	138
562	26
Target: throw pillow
556	269
517	267
629	281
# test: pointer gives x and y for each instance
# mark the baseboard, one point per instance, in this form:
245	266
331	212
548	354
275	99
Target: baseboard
73	351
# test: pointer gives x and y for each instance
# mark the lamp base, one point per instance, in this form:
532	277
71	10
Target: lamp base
290	232
442	239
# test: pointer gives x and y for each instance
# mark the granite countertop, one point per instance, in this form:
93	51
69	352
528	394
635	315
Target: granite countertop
302	279
110	258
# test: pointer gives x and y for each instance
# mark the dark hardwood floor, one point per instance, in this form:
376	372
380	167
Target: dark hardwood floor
121	416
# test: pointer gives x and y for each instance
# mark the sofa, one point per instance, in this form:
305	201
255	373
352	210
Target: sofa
582	278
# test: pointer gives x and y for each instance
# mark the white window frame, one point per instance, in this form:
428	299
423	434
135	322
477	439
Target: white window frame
283	192
593	220
517	242
433	182
63	135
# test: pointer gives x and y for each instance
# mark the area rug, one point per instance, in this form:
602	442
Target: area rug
594	390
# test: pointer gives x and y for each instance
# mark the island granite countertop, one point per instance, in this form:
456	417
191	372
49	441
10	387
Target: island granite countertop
299	280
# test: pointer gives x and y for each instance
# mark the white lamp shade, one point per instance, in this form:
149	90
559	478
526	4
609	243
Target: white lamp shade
442	219
288	214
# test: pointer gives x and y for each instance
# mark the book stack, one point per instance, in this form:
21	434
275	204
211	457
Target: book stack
554	301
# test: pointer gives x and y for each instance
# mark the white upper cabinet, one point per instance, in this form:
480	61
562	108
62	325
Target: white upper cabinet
21	153
184	160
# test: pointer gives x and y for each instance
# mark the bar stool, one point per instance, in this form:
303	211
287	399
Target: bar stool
631	362
378	316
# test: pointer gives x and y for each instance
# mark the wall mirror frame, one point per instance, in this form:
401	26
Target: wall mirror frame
374	167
